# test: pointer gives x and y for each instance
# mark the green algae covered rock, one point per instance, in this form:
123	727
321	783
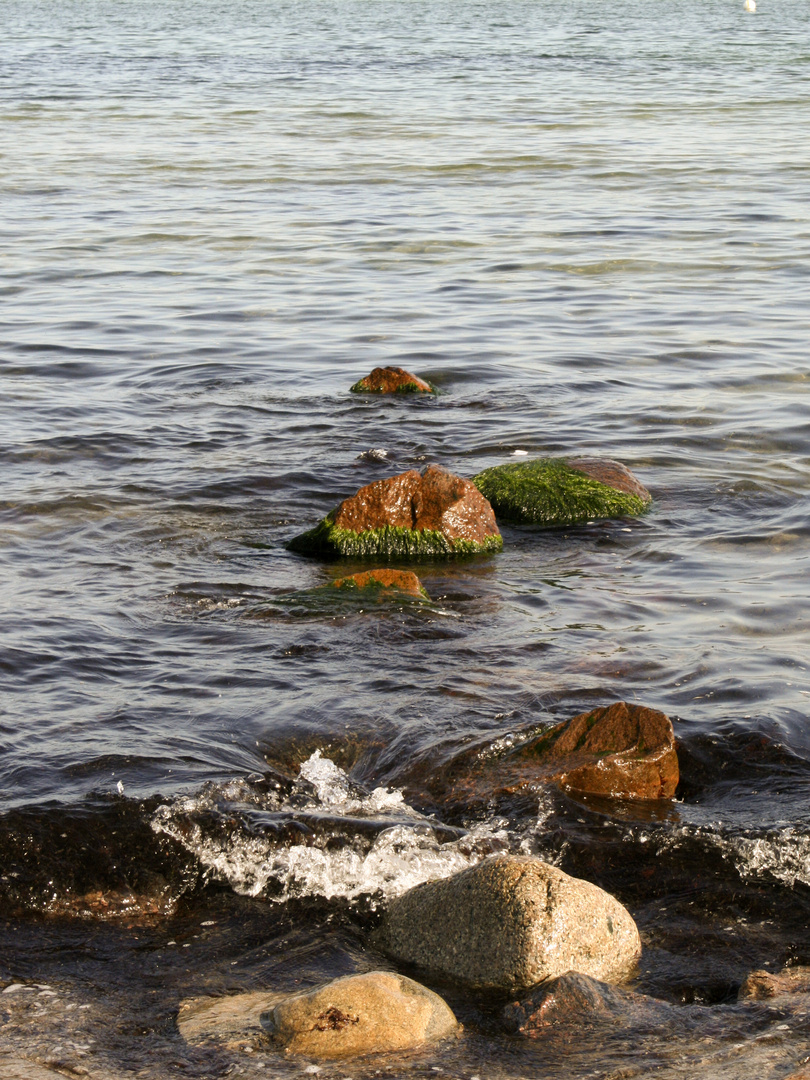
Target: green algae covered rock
557	491
410	516
392	380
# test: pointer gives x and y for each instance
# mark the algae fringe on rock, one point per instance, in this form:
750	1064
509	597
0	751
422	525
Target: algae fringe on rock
360	387
390	541
550	492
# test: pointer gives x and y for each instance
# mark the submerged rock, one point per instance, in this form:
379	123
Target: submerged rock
359	1014
622	751
410	516
557	491
577	1000
761	985
509	923
392	380
399	581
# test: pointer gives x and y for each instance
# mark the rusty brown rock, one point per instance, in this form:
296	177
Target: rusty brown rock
397	580
391	380
509	923
412	515
621	751
612	473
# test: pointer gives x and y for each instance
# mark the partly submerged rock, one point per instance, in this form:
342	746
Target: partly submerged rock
380	581
557	491
621	751
509	923
579	1001
392	380
410	516
361	1014
762	985
358	1014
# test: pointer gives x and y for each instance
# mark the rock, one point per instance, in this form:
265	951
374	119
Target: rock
577	1000
556	491
392	380
407	517
358	1014
622	751
361	1014
397	581
509	923
761	985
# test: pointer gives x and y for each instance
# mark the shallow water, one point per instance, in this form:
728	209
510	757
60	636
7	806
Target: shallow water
588	226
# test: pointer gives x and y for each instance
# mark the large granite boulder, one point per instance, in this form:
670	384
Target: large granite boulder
509	923
392	380
623	751
559	491
359	1014
381	582
410	516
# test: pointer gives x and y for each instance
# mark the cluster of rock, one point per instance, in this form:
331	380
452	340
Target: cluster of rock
505	925
510	924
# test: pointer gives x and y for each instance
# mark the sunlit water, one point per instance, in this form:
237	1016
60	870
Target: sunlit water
587	224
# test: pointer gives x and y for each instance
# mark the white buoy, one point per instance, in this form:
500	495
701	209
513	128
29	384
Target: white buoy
750	5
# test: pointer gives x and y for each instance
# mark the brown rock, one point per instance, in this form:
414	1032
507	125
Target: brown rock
612	473
398	580
761	985
576	1000
509	923
361	1014
436	500
391	380
621	751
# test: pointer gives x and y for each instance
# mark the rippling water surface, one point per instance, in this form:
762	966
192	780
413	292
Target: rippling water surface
587	224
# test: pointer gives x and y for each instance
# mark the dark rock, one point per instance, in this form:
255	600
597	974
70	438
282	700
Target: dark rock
556	491
407	517
401	581
392	380
577	1000
509	923
761	985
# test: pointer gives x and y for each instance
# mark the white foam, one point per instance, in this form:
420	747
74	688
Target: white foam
404	854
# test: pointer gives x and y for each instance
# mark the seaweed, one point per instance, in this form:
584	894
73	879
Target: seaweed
549	492
390	541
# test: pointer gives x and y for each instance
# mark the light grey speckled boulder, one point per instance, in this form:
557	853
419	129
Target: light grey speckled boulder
509	923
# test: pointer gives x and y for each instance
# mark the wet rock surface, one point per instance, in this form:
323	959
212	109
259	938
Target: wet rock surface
557	491
579	1000
435	514
763	985
357	1015
403	581
509	923
622	751
391	380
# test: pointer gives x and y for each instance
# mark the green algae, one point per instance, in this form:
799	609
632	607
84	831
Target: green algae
389	541
360	387
549	492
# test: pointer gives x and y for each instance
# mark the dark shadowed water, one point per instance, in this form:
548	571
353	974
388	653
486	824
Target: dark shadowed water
588	225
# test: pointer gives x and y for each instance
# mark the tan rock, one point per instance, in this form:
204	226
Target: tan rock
395	580
361	1014
509	923
391	380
